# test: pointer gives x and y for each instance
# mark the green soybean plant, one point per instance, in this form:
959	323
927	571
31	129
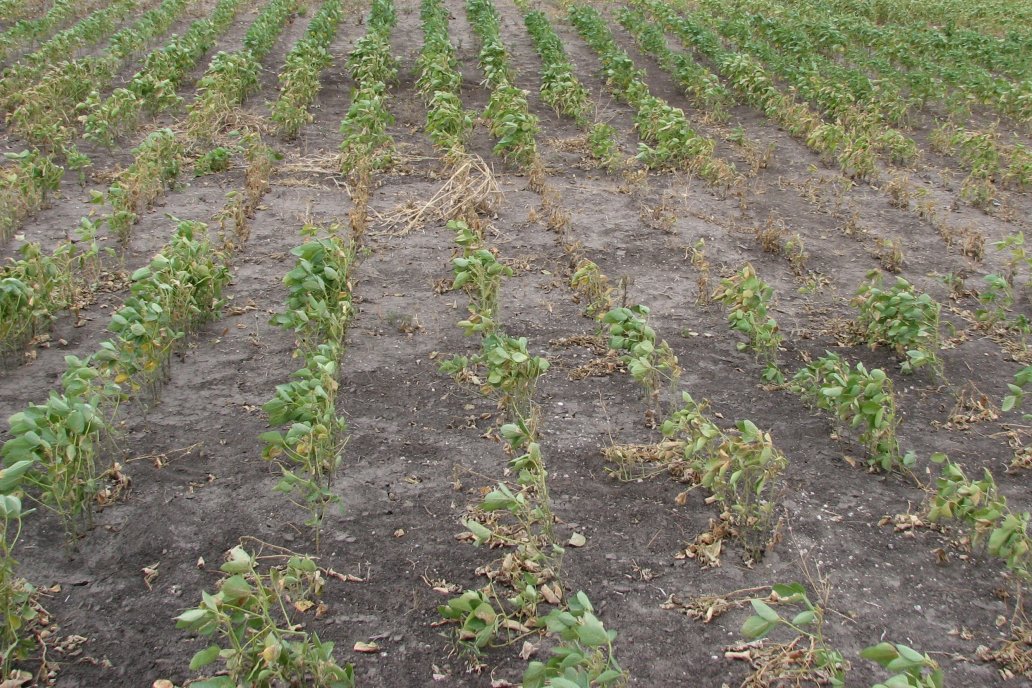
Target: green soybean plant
817	661
17	641
747	298
902	319
309	452
253	617
319	306
739	467
478	621
478	272
61	439
910	668
509	371
584	655
1016	398
985	514
861	399
651	363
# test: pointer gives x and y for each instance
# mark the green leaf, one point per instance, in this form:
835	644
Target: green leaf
480	532
803	618
756	627
560	682
216	682
190	617
882	653
591	632
910	654
236	587
764	611
204	657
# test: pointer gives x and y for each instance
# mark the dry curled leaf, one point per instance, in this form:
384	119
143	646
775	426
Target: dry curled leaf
367	648
150	574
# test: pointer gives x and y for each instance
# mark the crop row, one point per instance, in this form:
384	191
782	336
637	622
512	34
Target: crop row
518	514
511	123
53	455
155	167
54	447
927	60
47	113
15	10
561	89
740	467
24	187
908	323
35	287
849	96
299	78
701	84
26	30
854	149
667	137
367	145
93	29
232	77
842	94
153	88
448	124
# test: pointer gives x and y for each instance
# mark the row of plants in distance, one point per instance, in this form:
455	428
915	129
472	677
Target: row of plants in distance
667	138
300	77
93	29
153	88
232	77
448	124
512	124
50	112
27	30
854	151
367	144
563	92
